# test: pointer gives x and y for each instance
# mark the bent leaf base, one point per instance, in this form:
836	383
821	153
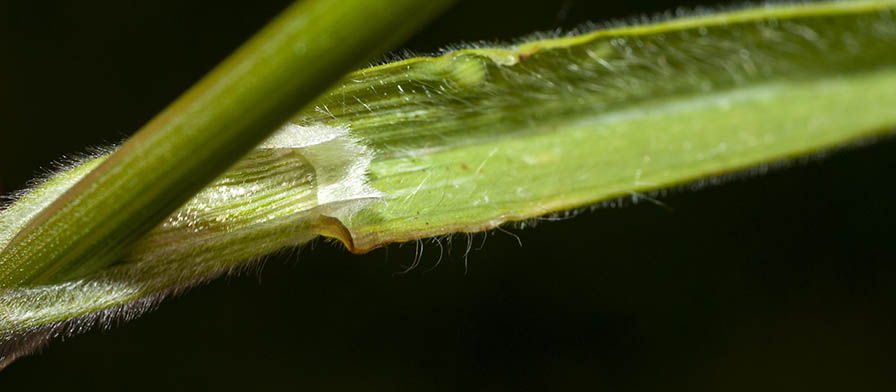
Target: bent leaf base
477	137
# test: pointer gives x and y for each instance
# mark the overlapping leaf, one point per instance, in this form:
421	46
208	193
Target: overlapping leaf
477	137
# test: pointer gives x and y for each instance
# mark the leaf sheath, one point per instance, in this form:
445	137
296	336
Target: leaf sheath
477	137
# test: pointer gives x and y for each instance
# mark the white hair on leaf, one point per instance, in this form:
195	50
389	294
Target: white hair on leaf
293	187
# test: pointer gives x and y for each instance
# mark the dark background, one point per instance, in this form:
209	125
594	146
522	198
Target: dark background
784	281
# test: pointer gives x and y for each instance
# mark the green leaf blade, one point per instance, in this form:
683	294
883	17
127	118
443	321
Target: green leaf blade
475	138
481	186
462	139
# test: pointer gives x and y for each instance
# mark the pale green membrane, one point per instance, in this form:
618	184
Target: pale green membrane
478	137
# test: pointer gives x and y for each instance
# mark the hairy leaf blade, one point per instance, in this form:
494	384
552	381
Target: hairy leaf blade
478	137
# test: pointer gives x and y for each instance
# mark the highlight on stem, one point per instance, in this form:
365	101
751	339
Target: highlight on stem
460	142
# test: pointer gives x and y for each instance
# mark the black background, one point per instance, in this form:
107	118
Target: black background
783	281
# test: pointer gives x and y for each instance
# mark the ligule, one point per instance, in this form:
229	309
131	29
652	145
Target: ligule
477	137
